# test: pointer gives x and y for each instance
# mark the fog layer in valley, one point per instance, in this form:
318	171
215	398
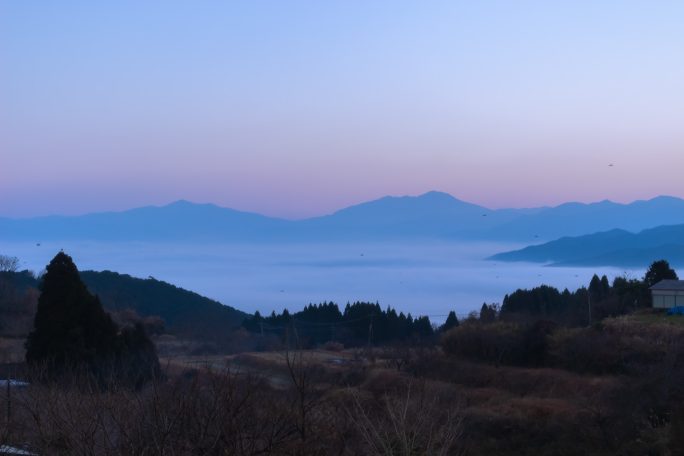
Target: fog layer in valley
421	278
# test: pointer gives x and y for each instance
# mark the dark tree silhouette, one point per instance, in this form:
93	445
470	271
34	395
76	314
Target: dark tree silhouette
599	288
422	327
659	270
487	313
70	326
360	323
136	356
451	322
71	329
605	286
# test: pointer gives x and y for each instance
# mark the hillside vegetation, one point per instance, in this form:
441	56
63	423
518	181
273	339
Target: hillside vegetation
184	313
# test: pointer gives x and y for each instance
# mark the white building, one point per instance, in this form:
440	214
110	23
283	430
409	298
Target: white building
667	294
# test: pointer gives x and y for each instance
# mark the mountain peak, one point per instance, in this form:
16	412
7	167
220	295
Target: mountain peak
185	204
181	203
436	194
665	198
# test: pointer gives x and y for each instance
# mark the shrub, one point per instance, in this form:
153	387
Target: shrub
536	341
497	342
616	346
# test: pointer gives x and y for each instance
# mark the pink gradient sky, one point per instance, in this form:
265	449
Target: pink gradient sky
301	109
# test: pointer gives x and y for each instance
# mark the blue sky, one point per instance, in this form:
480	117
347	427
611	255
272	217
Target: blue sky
299	108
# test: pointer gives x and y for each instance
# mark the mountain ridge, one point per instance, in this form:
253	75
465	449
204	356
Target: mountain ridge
608	248
431	215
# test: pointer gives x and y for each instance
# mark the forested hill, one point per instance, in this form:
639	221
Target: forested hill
185	313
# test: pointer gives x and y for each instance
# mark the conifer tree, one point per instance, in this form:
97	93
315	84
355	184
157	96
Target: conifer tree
451	322
70	327
595	288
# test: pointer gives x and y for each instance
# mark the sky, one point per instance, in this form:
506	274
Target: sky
299	108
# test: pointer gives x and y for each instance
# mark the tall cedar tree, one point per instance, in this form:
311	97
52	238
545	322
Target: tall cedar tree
70	327
451	322
659	270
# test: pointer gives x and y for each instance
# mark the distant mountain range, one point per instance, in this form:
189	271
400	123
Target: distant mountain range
433	215
609	248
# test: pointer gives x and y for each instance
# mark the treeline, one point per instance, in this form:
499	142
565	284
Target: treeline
359	323
543	327
585	305
18	299
367	323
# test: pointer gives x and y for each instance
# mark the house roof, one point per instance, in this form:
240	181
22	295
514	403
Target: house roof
669	285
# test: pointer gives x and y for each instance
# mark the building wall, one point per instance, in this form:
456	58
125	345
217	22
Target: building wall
667	299
658	301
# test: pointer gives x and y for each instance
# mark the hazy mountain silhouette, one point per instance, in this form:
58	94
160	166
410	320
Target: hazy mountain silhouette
635	257
176	221
609	248
574	219
433	215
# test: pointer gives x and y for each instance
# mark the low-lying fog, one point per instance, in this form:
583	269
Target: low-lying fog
422	278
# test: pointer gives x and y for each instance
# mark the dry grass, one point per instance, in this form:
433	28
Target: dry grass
12	350
359	402
650	318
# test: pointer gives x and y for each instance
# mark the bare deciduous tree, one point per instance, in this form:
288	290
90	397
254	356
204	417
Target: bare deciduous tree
8	263
416	424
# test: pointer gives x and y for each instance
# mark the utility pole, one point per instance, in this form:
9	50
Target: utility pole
9	403
296	334
589	302
370	330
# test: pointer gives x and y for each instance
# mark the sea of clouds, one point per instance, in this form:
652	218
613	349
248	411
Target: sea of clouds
423	278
